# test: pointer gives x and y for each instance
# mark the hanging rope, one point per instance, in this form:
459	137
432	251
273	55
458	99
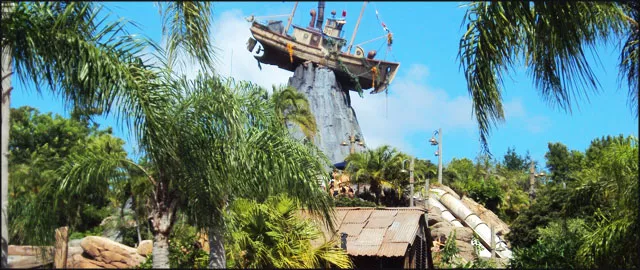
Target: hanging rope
290	50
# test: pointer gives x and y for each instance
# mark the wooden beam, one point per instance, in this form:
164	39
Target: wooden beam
61	248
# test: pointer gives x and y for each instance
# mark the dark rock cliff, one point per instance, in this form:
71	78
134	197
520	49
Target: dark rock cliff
331	106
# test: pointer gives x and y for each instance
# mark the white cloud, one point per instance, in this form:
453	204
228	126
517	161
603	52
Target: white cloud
514	109
411	107
537	124
231	32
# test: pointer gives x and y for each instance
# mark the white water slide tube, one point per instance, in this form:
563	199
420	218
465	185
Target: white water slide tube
461	212
446	215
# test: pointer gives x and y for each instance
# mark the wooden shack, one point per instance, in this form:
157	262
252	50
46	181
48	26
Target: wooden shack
382	237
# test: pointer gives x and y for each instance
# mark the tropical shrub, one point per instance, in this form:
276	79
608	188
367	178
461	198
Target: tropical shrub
272	235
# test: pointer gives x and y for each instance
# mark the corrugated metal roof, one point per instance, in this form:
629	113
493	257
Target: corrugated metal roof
408	227
392	249
386	232
357	216
351	229
381	222
384	213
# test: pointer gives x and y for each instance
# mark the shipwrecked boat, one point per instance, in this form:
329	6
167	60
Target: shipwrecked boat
322	46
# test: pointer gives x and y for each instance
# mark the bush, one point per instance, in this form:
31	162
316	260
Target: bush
185	250
557	247
343	201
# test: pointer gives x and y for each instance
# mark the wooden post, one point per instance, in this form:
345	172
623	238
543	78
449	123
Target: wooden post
293	12
61	247
355	30
411	167
532	181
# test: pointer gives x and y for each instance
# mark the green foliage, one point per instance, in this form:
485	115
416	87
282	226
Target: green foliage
513	161
344	201
381	169
556	247
549	39
548	206
605	200
74	49
448	256
95	231
273	235
613	184
562	163
185	250
488	193
39	146
293	107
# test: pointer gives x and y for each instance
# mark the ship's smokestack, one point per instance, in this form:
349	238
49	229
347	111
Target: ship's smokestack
320	15
313	18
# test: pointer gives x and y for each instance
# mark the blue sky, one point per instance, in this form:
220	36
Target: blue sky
429	91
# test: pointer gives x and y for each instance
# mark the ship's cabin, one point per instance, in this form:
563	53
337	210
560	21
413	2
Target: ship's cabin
331	38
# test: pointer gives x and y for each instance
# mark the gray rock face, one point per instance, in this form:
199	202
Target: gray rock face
331	106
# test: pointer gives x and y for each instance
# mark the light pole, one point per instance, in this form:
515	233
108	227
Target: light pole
411	166
352	141
532	180
439	151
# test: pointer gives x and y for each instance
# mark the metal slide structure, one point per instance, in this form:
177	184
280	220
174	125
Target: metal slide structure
459	215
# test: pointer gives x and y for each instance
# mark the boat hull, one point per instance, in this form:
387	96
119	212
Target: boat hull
348	68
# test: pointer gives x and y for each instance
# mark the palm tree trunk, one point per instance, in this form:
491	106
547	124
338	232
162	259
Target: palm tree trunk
138	231
217	258
4	150
161	250
162	219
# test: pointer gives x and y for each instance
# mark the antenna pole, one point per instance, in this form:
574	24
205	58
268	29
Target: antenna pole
355	30
286	30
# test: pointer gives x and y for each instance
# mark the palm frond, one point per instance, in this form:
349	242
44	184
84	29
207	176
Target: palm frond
630	56
73	51
551	38
187	26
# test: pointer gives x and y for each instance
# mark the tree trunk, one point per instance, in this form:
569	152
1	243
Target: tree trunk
162	220
217	258
138	231
160	250
4	150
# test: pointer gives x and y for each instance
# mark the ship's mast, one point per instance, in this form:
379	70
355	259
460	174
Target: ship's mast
355	30
293	12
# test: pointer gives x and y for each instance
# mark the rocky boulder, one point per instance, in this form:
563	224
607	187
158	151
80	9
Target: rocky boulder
145	248
110	252
442	233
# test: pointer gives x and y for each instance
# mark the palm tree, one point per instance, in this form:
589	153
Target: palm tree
67	47
293	107
377	166
613	184
208	142
551	38
273	235
255	159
